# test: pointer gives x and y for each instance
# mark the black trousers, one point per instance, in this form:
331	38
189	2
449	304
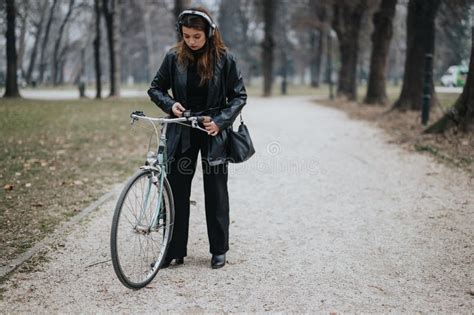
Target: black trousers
181	172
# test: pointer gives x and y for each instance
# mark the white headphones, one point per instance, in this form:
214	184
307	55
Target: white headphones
179	22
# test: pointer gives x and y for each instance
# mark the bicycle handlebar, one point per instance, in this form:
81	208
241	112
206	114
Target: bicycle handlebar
140	115
194	120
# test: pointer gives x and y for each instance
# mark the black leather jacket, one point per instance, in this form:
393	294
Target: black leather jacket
226	92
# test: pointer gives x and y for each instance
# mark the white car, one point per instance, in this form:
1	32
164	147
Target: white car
455	76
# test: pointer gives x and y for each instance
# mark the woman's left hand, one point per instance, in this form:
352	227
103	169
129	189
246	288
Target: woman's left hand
211	127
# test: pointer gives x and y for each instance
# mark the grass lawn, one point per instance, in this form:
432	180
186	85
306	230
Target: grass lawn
57	157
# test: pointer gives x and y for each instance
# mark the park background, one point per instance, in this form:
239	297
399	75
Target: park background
71	72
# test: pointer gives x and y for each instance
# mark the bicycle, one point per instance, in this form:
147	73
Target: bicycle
143	220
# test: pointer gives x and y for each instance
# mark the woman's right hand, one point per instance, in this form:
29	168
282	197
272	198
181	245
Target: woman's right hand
178	109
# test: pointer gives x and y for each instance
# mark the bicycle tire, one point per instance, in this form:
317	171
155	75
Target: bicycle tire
121	237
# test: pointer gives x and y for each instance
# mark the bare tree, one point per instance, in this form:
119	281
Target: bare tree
346	22
45	42
318	40
148	32
308	18
453	29
180	5
23	14
461	115
11	88
38	30
381	37
246	15
97	64
235	24
111	10
228	19
56	62
420	41
67	48
268	44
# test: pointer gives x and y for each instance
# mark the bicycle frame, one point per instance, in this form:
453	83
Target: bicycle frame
159	164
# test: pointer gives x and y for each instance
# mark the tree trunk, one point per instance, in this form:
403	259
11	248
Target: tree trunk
269	9
11	88
97	65
179	6
149	44
82	75
45	42
57	44
420	41
322	12
37	36
317	57
461	114
329	70
21	39
346	23
62	63
244	23
381	37
111	9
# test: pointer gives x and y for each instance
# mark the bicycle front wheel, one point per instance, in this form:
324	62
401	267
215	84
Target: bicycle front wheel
141	228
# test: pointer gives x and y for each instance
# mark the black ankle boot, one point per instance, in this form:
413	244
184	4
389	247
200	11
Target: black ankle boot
217	261
167	262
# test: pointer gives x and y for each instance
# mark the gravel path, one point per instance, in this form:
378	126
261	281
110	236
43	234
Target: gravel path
328	216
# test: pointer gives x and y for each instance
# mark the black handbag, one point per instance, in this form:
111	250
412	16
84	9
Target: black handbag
240	144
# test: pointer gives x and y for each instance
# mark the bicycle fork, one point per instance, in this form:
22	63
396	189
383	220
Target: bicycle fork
152	181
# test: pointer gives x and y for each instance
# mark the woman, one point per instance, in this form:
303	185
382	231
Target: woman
203	78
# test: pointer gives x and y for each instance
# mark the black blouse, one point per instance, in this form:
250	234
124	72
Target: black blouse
196	94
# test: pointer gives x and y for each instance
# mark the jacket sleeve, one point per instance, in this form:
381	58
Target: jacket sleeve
160	85
235	94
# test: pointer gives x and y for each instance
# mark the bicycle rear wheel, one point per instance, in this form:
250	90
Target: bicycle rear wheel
137	245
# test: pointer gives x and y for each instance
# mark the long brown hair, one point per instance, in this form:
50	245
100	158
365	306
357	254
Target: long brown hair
214	47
